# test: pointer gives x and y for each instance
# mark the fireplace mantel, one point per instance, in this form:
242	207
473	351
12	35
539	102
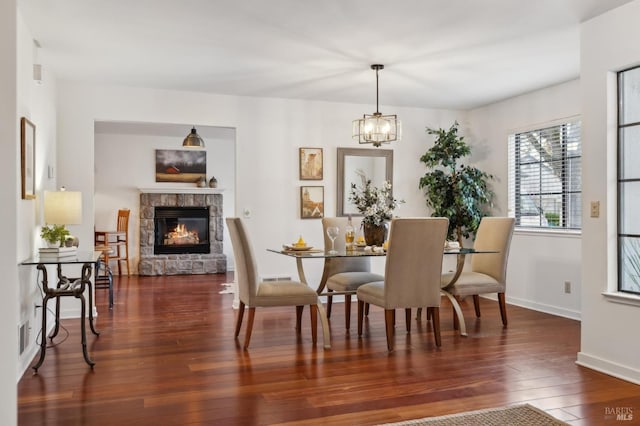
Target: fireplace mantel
181	190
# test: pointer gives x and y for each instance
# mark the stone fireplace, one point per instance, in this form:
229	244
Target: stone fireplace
177	211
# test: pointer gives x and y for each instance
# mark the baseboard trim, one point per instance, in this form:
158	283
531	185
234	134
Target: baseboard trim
610	368
540	307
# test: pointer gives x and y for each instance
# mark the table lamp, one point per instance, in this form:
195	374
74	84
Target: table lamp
62	208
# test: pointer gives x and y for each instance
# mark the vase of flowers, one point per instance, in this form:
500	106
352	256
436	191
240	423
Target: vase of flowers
376	206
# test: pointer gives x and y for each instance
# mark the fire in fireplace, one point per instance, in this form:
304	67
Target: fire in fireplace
180	230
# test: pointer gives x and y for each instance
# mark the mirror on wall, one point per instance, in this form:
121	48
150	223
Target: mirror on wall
356	165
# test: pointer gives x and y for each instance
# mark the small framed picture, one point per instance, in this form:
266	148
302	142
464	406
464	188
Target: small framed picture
28	158
311	202
310	163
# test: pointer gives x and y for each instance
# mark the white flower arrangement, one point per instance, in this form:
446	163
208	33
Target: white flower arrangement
375	204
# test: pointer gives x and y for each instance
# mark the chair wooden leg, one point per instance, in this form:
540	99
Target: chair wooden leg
239	319
314	323
407	319
126	253
347	311
428	314
247	335
329	303
389	321
435	315
476	304
393	314
366	309
503	308
360	316
299	310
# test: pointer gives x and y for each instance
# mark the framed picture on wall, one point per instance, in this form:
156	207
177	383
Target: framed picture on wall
180	165
311	202
310	163
28	158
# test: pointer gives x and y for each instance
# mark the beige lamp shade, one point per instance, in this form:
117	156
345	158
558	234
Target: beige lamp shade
63	207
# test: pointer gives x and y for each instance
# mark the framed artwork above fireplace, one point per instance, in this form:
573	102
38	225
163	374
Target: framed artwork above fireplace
180	165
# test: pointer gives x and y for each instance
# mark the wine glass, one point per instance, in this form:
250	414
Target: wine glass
332	233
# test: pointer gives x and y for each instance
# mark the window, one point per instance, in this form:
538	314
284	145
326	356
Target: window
629	181
545	177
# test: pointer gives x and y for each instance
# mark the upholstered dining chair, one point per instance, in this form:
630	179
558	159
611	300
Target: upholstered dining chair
344	275
254	293
412	274
488	272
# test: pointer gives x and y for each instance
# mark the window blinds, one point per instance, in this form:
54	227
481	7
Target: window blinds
545	177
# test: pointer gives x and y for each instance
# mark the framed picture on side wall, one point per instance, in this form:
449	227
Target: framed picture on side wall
28	158
310	163
311	202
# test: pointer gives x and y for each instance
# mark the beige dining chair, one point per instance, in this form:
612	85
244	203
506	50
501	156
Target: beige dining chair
253	293
344	275
412	274
488	272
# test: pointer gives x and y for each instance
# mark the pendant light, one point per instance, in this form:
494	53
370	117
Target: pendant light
193	140
376	128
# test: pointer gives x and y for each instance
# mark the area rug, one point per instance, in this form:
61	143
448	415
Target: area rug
517	415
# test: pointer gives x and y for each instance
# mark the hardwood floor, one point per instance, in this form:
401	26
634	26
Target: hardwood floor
166	355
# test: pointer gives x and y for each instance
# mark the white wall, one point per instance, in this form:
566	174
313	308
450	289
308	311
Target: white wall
9	201
37	103
539	262
609	343
268	135
19	97
125	162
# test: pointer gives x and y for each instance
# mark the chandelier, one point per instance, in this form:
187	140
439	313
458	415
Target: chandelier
376	128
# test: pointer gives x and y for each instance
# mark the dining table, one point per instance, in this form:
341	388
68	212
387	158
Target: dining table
305	253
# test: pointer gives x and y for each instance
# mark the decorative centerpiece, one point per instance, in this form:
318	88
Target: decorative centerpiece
377	206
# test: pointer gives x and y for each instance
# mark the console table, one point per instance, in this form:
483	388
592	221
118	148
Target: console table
73	287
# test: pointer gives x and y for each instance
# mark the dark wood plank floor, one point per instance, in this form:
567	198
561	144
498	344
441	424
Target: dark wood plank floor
166	356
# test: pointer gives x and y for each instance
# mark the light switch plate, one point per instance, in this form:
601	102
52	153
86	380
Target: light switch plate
595	209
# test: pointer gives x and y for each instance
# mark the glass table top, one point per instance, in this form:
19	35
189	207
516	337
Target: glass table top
78	257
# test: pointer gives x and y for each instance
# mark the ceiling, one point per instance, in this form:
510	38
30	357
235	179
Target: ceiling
454	54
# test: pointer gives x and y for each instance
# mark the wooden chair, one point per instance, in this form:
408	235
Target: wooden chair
344	275
254	293
412	274
118	240
488	272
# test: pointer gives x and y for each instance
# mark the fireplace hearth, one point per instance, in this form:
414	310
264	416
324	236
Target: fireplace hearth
181	232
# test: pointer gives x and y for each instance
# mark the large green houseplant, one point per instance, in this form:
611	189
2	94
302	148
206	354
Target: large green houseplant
452	189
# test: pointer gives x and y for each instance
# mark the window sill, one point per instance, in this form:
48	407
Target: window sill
623	298
549	232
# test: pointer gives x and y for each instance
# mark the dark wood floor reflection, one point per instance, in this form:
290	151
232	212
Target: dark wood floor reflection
166	356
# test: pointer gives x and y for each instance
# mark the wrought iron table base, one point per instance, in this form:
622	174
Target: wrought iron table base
67	287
